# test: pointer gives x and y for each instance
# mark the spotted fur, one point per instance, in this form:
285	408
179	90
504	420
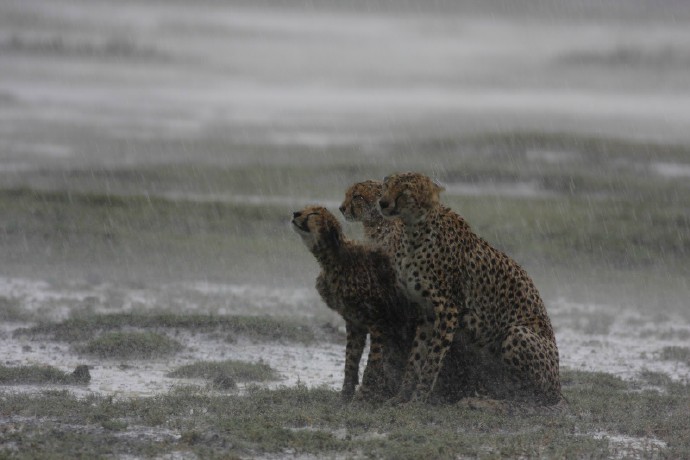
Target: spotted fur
465	372
358	282
472	288
361	204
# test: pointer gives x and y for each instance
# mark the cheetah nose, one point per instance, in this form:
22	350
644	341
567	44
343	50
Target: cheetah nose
342	209
296	214
384	204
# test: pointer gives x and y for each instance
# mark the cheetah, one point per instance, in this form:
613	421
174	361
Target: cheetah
464	373
473	289
358	282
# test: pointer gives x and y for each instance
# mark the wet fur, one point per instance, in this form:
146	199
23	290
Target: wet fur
477	294
358	282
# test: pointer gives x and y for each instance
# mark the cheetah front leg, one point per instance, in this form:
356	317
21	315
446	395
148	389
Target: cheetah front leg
445	326
415	361
373	380
356	339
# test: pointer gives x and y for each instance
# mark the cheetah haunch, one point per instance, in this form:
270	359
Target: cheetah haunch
358	282
472	288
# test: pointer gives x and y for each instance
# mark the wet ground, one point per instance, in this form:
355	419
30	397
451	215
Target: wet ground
597	338
151	154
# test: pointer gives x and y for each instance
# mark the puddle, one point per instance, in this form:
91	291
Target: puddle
40	299
255	200
630	447
295	363
510	189
551	156
610	339
671	170
51	150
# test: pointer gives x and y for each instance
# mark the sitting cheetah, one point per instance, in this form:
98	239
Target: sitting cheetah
465	371
472	288
359	283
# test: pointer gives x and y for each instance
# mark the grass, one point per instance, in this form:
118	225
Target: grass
675	353
657	379
32	375
10	310
608	209
608	224
137	237
258	328
302	421
609	216
225	373
130	345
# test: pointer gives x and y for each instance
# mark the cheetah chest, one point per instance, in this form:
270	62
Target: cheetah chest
415	280
343	295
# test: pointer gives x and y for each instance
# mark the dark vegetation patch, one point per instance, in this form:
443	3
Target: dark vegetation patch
676	353
657	379
258	328
10	310
59	46
301	421
224	374
130	345
31	375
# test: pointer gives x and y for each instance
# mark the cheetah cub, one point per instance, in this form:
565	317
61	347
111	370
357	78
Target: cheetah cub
471	287
361	205
358	282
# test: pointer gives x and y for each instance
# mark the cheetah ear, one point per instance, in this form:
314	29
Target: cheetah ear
438	188
436	192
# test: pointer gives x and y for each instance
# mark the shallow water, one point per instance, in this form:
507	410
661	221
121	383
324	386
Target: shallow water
629	446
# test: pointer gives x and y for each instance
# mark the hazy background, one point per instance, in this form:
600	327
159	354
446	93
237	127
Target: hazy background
86	82
559	128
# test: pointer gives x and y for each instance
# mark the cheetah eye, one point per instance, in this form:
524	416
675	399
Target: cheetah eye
358	197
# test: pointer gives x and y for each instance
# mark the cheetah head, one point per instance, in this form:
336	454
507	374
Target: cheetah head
318	228
409	196
361	201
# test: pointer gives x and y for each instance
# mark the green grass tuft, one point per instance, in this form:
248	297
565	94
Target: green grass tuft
227	371
130	345
10	310
254	327
675	353
31	375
